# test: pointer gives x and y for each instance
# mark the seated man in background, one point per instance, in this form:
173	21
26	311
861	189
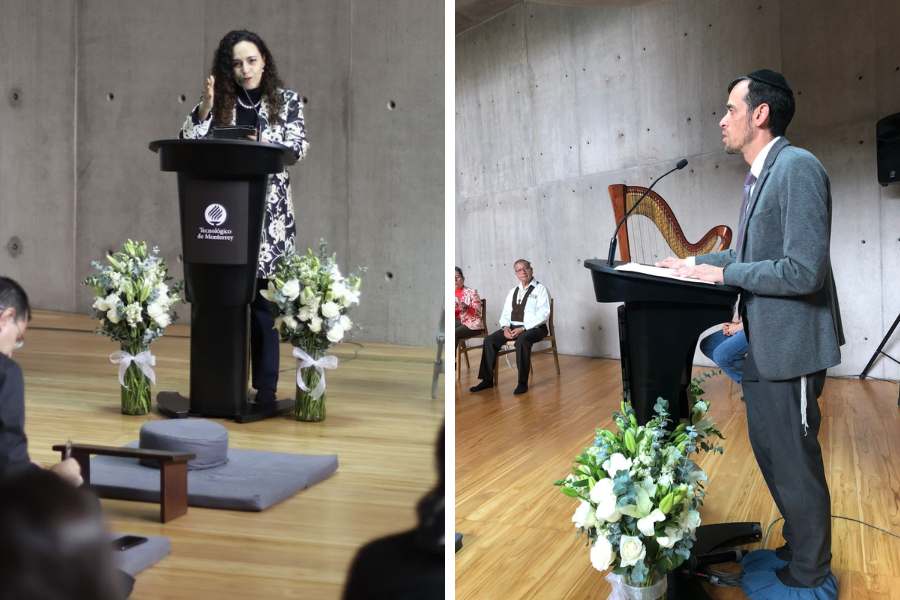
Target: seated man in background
524	321
14	316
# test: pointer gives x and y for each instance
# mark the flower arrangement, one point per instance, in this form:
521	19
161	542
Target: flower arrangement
312	298
134	303
640	492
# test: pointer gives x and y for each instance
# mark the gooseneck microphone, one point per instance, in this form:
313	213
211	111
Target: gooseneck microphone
612	243
256	110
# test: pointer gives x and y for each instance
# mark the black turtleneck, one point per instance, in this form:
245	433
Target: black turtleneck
246	117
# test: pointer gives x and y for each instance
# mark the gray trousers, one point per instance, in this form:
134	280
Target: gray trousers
791	464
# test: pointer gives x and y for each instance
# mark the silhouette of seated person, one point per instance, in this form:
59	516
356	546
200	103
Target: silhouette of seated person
407	565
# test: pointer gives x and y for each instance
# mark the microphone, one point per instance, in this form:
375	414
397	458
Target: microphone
612	243
256	110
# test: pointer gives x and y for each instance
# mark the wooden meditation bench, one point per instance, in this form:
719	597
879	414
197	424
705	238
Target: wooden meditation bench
172	472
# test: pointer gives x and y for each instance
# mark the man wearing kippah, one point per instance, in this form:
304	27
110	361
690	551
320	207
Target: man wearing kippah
790	311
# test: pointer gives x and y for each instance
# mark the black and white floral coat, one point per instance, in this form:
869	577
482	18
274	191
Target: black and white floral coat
279	228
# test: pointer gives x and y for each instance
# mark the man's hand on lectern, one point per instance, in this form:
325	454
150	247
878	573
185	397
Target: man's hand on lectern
702	272
670	262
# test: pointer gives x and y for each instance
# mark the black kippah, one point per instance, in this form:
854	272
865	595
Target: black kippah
772	78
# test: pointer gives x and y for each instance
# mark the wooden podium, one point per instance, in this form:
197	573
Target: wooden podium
221	199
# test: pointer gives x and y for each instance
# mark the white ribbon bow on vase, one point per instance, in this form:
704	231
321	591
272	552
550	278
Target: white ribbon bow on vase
144	360
305	361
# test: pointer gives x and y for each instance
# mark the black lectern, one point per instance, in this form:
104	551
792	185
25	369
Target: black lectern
658	329
221	198
659	324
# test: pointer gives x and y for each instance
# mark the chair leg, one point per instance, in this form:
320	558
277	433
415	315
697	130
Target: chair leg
456	364
466	354
555	356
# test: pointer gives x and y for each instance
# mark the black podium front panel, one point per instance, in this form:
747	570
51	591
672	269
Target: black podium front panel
214	221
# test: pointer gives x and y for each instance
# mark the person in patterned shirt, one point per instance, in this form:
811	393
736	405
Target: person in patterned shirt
468	309
244	89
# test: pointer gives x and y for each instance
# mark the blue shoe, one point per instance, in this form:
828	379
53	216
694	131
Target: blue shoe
765	585
761	560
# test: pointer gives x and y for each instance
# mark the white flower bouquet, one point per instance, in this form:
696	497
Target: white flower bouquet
134	303
640	493
312	299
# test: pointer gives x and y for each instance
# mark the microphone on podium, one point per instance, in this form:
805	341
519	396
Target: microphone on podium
612	243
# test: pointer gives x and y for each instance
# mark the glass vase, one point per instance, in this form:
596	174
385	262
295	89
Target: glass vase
307	407
135	393
621	590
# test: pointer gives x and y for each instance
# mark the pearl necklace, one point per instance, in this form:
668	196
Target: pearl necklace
249	106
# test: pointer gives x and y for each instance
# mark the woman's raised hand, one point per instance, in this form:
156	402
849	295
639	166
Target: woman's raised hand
206	102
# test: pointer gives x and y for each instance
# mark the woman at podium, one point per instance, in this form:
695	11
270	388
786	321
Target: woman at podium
244	97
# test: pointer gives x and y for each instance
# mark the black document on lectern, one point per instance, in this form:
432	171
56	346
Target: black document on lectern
233	132
214	222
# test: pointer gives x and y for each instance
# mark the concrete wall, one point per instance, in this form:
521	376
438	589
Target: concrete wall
556	103
99	79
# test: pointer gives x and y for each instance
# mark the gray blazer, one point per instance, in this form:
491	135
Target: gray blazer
789	299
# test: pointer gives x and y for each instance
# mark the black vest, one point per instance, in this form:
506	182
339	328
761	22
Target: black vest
518	309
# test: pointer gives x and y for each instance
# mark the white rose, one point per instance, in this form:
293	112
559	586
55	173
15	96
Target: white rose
602	495
113	316
101	305
338	289
330	310
352	297
290	322
673	535
345	322
632	550
315	324
163	320
690	520
602	554
336	333
615	463
584	516
291	289
305	314
646	524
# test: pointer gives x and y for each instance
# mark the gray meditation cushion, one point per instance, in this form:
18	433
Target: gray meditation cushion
205	439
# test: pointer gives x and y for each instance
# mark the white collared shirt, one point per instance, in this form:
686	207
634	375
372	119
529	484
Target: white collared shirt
757	165
756	168
537	307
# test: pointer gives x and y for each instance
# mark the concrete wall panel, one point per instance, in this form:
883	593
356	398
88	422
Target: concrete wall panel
396	170
36	156
130	82
494	82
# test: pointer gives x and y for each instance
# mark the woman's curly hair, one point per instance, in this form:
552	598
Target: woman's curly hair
226	89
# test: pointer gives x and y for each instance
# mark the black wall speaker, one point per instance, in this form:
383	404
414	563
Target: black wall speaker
887	145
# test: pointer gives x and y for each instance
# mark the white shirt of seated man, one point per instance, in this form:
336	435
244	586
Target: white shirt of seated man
537	306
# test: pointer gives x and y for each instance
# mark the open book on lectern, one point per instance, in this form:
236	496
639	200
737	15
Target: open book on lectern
657	272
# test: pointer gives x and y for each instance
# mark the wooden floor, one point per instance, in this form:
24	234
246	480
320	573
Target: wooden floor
381	423
519	539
